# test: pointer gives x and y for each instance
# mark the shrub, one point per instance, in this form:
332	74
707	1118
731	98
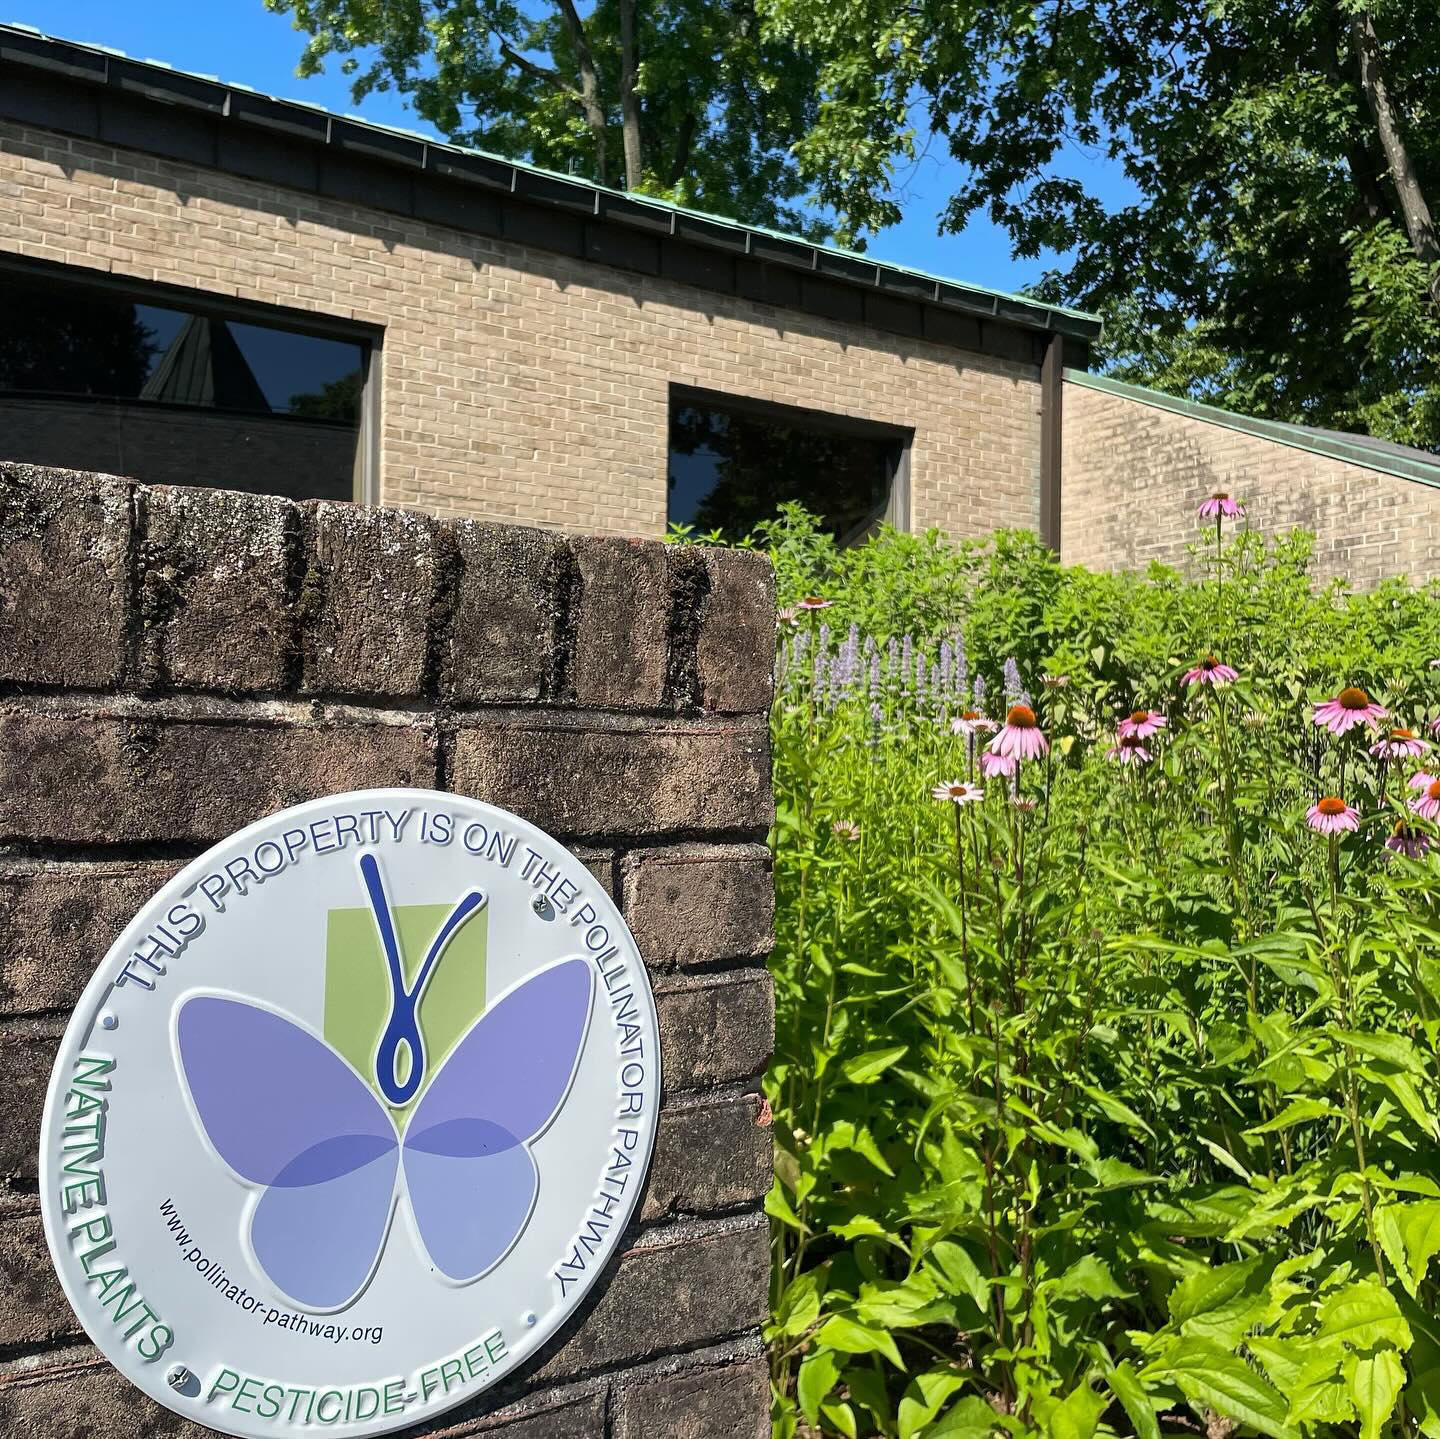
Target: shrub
1105	1103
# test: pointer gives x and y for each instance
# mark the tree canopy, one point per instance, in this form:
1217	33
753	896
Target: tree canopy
689	100
1277	254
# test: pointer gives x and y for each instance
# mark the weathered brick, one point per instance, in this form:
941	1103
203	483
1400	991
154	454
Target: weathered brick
556	1415
621	623
35	1309
58	922
729	1402
366	600
64	564
690	904
27	1050
735	648
81	779
502	628
700	1286
77	1399
710	1157
214	589
590	776
715	1030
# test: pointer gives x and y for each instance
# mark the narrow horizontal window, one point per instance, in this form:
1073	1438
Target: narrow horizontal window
138	382
734	462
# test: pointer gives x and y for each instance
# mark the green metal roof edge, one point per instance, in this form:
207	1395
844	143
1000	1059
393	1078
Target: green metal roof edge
634	197
1422	472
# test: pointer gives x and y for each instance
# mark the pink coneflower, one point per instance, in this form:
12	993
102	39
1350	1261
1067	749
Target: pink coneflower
1435	664
1025	806
972	722
1350	707
1054	682
1412	843
996	766
1220	504
1427	803
1399	744
957	792
814	602
1211	672
1332	815
1140	724
1129	749
787	615
1019	736
846	829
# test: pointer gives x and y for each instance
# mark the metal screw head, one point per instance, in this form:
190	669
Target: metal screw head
177	1377
542	906
529	1317
108	1021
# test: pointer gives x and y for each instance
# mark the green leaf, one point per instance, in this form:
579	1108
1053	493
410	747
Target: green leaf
1206	1290
1363	1315
1300	1111
818	1372
1205	1372
1410	1236
969	1418
1125	1385
1090	1278
842	1416
851	1337
778	1207
1076	1416
1375	1382
868	1067
952	1263
923	1397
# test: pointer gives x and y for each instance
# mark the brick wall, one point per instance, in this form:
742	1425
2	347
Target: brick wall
175	663
1134	474
513	378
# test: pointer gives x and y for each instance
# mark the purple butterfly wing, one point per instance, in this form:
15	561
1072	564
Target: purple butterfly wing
468	1171
289	1116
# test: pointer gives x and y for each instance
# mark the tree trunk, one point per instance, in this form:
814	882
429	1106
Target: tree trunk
1418	223
629	104
589	86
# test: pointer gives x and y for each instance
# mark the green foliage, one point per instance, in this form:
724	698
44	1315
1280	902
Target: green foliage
1257	255
720	102
1111	1111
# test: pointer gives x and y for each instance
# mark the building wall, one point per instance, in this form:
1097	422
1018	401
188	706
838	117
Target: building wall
176	663
1134	474
520	385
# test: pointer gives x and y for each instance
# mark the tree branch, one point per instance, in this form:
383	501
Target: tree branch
589	85
538	72
1413	207
629	106
684	138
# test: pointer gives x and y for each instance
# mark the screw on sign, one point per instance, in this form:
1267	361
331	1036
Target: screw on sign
351	1116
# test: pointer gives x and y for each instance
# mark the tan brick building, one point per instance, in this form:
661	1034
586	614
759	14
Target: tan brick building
289	300
200	283
1137	464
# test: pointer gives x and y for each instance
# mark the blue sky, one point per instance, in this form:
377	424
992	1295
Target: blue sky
240	41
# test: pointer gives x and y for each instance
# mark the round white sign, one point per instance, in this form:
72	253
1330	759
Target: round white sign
351	1116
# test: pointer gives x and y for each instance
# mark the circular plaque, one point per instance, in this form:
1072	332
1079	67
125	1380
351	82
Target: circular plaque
351	1116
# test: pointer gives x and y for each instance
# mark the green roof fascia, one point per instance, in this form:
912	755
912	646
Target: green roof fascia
1082	324
1297	437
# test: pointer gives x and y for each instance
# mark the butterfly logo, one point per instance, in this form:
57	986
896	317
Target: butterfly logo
296	1122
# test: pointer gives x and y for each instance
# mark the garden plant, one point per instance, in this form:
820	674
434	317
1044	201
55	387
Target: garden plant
1108	987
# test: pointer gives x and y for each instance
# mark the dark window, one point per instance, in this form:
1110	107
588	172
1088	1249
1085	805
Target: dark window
137	382
734	462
